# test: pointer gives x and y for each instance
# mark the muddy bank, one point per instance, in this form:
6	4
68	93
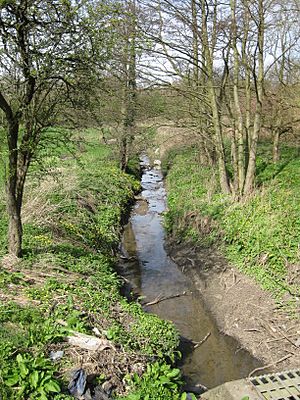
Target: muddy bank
241	309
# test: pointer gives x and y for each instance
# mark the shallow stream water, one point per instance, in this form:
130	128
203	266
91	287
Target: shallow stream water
153	274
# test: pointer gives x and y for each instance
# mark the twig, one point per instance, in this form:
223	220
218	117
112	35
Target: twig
291	352
160	299
155	301
234	284
287	338
270	365
191	261
202	341
292	327
281	338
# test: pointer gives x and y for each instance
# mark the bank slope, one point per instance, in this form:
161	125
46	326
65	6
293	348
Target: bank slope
259	235
66	283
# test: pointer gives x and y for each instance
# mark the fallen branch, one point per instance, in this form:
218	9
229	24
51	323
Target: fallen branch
270	365
159	299
197	344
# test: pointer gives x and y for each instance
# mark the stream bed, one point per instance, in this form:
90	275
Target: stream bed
153	274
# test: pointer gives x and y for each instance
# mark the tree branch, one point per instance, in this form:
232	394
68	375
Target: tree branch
5	107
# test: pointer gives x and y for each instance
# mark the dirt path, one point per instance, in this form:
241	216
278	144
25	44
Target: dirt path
241	309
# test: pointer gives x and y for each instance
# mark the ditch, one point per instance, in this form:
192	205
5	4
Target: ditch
209	357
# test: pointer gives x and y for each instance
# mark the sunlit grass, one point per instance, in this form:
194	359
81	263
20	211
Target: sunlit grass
260	234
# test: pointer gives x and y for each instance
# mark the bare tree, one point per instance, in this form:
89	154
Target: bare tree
128	80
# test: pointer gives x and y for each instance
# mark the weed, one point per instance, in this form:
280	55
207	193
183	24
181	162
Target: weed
159	382
32	376
260	235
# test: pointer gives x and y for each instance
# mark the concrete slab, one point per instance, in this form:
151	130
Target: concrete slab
236	390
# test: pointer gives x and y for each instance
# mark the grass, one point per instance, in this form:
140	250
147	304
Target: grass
260	235
66	282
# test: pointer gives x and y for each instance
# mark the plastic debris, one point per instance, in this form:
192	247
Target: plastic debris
99	394
56	355
77	383
88	342
96	331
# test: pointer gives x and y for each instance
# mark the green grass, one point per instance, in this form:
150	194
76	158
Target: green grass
260	235
67	274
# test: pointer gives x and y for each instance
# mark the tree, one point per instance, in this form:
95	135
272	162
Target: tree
40	47
226	49
128	78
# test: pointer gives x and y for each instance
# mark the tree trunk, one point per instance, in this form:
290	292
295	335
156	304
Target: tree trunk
15	231
124	152
234	161
247	81
197	85
130	92
240	179
195	43
224	183
249	183
219	145
248	118
14	202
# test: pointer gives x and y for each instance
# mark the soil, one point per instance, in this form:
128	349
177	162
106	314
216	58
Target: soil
241	308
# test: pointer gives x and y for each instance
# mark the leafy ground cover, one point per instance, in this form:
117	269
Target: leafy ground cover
66	282
260	235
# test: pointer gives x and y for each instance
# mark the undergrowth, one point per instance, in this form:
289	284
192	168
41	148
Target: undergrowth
66	282
260	234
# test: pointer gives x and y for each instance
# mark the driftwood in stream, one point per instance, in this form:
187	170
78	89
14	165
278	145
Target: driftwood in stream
197	344
160	298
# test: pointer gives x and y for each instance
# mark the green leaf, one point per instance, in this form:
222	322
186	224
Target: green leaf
23	369
52	386
43	396
164	379
19	358
183	396
12	380
174	373
34	379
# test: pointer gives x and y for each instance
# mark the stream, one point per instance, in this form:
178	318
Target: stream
152	273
